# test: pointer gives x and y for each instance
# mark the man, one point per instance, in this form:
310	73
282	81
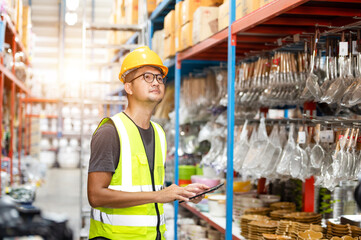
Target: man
128	151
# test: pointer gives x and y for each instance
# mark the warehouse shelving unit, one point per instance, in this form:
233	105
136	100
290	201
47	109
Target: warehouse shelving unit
267	28
8	80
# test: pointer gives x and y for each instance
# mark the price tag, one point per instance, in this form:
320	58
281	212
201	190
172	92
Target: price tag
354	47
327	136
343	49
302	137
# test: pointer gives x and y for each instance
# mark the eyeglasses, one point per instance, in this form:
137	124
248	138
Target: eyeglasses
149	78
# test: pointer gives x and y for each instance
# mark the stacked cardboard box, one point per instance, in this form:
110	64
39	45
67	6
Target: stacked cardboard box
205	23
158	43
223	15
188	9
169	34
26	29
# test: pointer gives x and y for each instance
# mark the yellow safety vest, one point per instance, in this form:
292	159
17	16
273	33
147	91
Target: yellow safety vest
133	175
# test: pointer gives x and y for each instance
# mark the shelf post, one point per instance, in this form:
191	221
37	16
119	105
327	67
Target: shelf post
232	41
177	86
309	184
20	131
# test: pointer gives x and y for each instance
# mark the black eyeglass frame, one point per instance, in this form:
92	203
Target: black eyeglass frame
154	77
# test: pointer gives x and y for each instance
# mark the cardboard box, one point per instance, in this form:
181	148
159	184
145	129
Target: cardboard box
178	15
264	2
205	23
249	6
169	46
178	40
131	12
151	6
223	16
169	23
19	17
186	36
239	9
190	6
158	43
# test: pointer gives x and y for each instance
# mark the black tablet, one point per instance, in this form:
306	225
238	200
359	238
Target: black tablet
207	191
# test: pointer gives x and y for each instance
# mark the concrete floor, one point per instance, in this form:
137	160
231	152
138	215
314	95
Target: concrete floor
61	194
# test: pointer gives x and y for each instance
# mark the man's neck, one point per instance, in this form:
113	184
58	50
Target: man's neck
140	116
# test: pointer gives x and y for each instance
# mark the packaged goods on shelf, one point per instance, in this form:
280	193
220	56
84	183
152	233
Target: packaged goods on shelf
169	46
26	28
158	43
223	16
178	45
186	36
248	6
151	6
169	24
131	11
264	2
205	23
19	17
190	6
178	15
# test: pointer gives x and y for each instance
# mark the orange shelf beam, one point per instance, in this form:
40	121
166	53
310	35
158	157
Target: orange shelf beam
40	100
10	76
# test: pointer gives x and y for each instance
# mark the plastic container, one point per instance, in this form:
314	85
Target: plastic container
186	171
217	205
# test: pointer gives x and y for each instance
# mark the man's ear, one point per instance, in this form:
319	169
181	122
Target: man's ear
128	88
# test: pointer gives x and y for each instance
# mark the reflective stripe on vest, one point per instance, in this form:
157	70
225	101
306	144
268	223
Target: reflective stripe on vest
126	153
143	188
127	220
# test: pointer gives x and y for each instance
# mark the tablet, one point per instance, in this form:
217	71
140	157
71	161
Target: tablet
207	191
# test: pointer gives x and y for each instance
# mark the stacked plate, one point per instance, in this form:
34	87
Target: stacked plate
309	234
259	227
338	230
278	214
304	217
246	219
267	236
242	202
355	231
283	206
257	211
292	229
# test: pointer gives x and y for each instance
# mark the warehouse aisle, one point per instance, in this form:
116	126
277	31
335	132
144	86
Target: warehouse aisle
60	194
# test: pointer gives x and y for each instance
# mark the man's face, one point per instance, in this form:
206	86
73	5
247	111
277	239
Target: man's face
144	91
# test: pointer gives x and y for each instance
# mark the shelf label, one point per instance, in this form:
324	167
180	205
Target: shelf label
327	136
302	137
343	49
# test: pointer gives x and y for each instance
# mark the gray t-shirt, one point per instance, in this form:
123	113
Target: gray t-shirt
105	148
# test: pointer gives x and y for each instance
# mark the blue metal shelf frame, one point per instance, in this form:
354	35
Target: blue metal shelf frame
232	41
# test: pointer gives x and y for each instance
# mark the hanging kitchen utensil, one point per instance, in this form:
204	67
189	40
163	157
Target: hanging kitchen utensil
242	148
345	165
317	153
335	92
271	153
299	155
312	79
284	163
340	155
257	147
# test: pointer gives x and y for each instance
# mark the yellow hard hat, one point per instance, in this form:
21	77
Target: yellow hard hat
141	56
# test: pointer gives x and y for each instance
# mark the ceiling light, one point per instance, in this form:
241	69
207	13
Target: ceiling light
72	5
71	18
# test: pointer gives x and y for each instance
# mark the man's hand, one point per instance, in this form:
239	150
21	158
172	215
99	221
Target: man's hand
172	193
197	188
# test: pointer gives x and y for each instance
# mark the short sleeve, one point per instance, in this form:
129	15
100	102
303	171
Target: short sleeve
104	149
